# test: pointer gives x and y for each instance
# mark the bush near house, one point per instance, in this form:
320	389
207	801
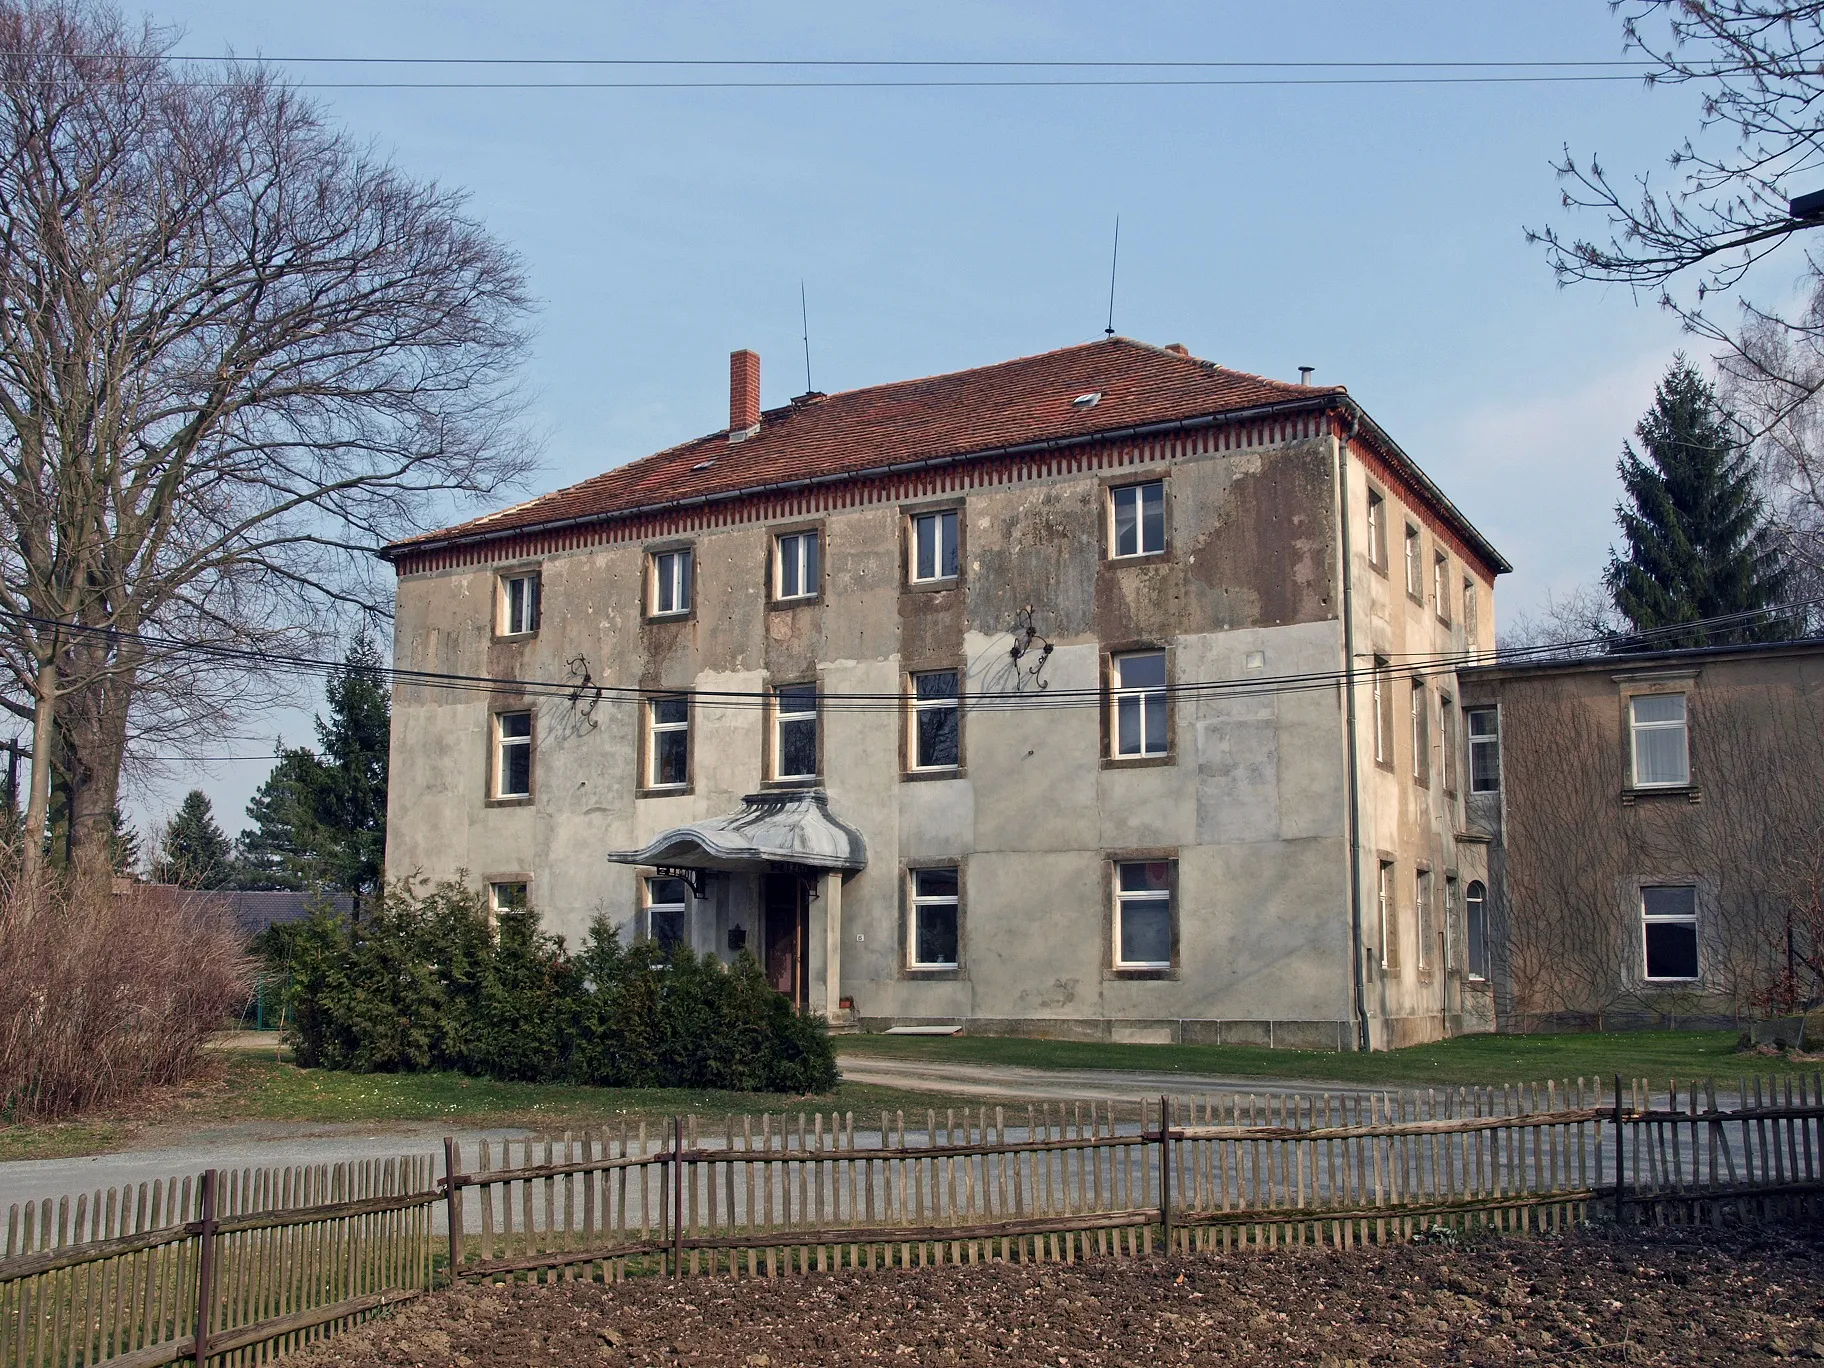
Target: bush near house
426	983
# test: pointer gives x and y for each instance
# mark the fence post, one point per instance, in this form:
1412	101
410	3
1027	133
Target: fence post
677	1196
205	1270
1621	1154
452	1196
1165	1171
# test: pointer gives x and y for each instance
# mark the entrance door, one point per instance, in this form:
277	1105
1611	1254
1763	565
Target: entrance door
787	926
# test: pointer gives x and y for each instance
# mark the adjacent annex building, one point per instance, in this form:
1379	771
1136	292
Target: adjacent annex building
1105	693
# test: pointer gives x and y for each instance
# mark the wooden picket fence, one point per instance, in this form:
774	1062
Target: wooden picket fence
263	1260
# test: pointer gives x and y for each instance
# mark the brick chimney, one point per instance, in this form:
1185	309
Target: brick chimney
743	394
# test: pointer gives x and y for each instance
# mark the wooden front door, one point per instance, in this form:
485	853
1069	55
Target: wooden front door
787	916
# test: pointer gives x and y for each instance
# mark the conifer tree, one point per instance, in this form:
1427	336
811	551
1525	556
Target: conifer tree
1696	541
193	851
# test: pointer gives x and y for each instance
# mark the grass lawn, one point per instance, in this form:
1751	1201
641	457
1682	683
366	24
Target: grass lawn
1654	1055
255	1087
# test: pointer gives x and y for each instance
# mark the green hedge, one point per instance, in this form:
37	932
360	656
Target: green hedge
423	983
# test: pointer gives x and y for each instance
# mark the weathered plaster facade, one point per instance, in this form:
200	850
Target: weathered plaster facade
1264	587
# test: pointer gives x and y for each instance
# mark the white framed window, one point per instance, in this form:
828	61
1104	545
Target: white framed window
795	731
1475	917
1143	914
668	741
1138	705
1440	583
1470	616
1377	530
1668	923
796	572
934	547
1138	513
1388	916
933	939
936	718
508	896
1421	915
519	603
513	755
1662	754
667	912
671	582
1383	714
1484	750
1414	585
1421	734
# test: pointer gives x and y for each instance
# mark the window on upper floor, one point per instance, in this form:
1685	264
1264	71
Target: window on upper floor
1484	749
934	937
520	595
1661	750
797	572
1447	740
670	593
1421	734
668	741
795	731
1415	586
1138	716
1383	714
1144	898
1377	530
1471	616
513	755
932	553
1137	514
936	732
1440	583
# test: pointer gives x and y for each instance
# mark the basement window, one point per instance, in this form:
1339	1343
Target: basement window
1475	914
1387	915
507	897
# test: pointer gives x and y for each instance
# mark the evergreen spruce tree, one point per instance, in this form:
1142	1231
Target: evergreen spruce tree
1696	540
320	817
123	846
193	852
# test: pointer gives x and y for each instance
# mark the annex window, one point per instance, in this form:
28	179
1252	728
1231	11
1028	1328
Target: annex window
671	583
1484	750
795	559
668	912
1440	583
1661	750
1475	916
1421	915
1669	928
1383	714
668	741
795	731
935	721
1139	519
934	937
934	549
1377	530
1138	704
1414	585
1447	739
1143	914
513	755
1387	917
1421	734
508	896
519	603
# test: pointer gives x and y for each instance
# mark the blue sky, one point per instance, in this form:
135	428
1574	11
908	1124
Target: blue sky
1373	232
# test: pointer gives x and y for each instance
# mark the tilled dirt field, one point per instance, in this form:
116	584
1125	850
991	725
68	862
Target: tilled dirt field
1669	1297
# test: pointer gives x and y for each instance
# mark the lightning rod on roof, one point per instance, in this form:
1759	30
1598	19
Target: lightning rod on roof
804	315
1114	262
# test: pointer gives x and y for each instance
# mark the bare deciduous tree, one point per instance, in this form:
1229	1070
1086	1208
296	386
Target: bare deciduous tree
237	351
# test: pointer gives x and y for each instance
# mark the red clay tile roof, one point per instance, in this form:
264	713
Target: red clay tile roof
1012	403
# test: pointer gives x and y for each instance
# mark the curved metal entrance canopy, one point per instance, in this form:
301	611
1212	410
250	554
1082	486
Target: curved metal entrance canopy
792	827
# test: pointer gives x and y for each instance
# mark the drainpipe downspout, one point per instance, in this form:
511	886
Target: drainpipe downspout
1354	803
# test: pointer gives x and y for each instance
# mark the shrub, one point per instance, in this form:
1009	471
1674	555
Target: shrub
425	983
104	995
